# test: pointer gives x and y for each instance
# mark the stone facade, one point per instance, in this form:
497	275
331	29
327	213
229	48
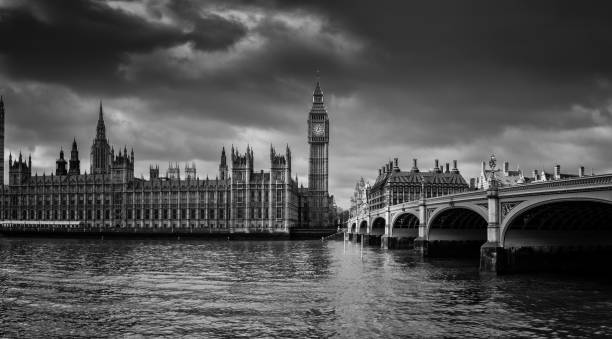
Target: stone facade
394	186
239	199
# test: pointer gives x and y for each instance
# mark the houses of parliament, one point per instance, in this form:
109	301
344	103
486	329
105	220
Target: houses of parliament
239	199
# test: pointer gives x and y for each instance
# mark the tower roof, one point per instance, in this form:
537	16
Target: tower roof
100	128
317	95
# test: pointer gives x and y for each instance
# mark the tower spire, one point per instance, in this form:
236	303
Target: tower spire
317	95
100	128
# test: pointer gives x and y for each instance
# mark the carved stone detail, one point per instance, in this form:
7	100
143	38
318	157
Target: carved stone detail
429	212
506	207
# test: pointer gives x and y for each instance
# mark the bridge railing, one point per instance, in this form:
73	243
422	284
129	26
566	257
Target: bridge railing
594	180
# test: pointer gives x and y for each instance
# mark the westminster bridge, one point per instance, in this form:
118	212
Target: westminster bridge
563	224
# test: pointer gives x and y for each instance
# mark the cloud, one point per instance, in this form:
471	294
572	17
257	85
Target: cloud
531	82
83	43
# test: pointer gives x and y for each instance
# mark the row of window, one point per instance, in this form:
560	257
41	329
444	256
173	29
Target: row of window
156	214
256	196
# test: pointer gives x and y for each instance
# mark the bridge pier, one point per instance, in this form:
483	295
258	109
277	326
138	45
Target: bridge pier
421	246
389	242
370	240
421	243
492	253
491	258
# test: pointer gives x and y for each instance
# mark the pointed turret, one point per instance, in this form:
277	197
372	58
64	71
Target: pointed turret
75	163
60	168
223	165
101	158
100	128
317	95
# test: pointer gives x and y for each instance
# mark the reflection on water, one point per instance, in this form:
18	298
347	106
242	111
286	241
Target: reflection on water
95	288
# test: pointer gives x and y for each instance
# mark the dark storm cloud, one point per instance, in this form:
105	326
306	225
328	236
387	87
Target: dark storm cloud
531	81
82	43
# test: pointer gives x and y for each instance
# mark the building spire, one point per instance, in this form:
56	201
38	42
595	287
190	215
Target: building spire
317	95
100	128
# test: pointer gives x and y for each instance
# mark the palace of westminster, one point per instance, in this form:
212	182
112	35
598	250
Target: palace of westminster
239	199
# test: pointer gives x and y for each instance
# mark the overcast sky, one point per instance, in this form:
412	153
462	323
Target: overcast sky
530	81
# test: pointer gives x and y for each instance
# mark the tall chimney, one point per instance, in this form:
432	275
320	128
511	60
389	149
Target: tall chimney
395	165
581	171
379	172
447	168
455	169
436	167
557	172
506	167
414	166
535	175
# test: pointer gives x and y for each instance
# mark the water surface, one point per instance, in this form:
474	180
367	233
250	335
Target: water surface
95	288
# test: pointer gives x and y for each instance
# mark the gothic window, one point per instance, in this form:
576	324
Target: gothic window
279	212
211	214
221	213
279	196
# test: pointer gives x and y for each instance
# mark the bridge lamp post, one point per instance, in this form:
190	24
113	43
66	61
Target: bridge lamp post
491	251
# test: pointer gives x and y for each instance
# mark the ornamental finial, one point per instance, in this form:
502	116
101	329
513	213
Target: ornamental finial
493	170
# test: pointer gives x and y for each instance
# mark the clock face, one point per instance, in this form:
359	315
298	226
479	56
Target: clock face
318	130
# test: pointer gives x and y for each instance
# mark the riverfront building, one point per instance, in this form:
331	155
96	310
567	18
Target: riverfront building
238	199
394	186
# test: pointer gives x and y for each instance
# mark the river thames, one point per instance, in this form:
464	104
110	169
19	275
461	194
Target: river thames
298	289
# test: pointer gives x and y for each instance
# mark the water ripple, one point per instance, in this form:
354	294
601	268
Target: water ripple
310	289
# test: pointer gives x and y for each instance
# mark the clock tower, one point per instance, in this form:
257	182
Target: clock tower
318	165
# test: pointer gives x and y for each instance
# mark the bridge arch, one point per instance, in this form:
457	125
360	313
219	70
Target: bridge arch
456	231
405	225
378	226
403	214
434	217
558	221
363	227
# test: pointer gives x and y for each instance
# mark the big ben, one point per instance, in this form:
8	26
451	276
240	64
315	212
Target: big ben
318	165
